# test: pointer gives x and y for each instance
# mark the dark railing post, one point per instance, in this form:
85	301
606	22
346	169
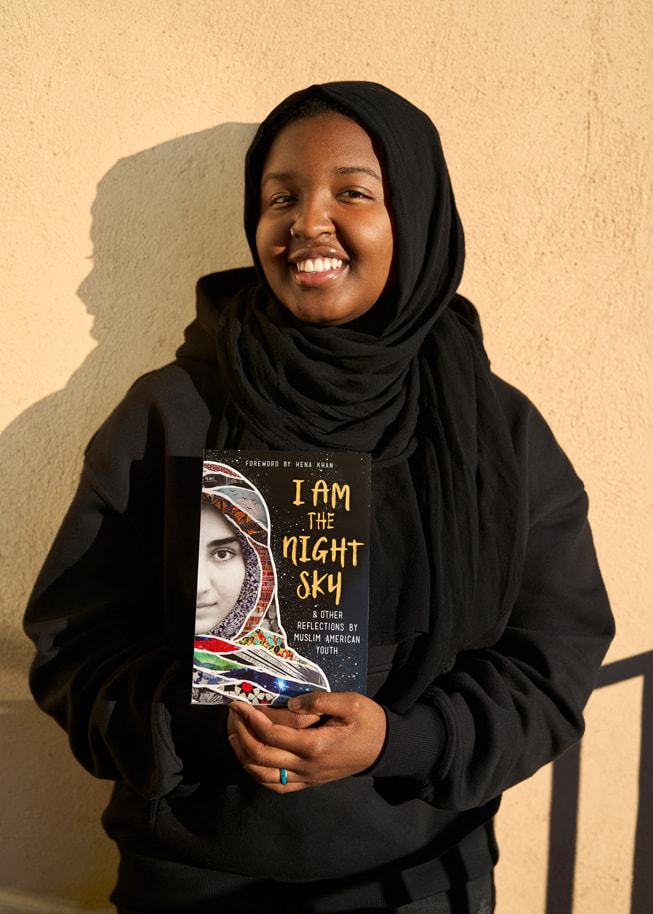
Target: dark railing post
563	826
564	803
642	894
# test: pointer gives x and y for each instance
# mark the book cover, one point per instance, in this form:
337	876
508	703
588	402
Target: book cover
283	575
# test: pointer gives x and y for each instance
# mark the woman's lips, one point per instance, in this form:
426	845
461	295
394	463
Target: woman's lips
318	271
318	264
315	265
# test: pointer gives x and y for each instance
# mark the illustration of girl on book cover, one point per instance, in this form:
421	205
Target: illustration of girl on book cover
241	649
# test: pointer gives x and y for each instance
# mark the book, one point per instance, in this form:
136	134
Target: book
283	575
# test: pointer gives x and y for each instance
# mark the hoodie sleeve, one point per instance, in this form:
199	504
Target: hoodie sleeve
511	706
111	613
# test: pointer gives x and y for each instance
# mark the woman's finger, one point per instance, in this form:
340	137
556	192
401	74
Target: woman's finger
269	733
252	754
296	720
279	780
252	749
343	705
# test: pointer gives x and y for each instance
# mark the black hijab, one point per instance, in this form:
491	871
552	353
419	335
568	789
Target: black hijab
416	393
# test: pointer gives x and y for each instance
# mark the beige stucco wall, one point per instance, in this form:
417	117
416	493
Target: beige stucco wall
121	136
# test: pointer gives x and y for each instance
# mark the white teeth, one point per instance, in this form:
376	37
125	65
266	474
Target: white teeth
319	265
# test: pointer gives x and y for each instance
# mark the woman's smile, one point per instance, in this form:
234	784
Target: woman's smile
319	265
316	266
324	235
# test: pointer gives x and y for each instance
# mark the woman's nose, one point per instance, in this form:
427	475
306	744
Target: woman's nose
312	219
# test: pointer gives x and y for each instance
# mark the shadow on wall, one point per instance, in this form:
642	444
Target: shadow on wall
52	844
161	219
565	794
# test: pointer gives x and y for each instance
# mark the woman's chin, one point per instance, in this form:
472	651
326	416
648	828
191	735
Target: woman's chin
323	310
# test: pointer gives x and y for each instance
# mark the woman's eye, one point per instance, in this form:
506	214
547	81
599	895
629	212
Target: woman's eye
353	194
223	555
281	199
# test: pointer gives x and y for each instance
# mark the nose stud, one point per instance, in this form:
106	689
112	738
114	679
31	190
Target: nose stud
319	231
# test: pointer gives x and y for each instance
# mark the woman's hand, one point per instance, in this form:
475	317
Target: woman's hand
348	739
296	719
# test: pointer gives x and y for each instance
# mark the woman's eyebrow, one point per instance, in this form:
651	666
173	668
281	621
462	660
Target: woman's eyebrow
224	541
356	169
276	176
341	170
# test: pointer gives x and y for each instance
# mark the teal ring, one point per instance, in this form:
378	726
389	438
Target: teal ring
284	776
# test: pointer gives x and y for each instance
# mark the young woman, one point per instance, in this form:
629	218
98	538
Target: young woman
488	617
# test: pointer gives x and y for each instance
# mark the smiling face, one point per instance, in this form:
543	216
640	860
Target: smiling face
323	180
221	570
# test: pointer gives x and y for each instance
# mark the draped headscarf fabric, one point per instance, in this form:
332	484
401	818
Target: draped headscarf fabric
417	393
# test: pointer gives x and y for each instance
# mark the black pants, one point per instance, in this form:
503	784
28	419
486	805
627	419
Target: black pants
476	897
459	881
